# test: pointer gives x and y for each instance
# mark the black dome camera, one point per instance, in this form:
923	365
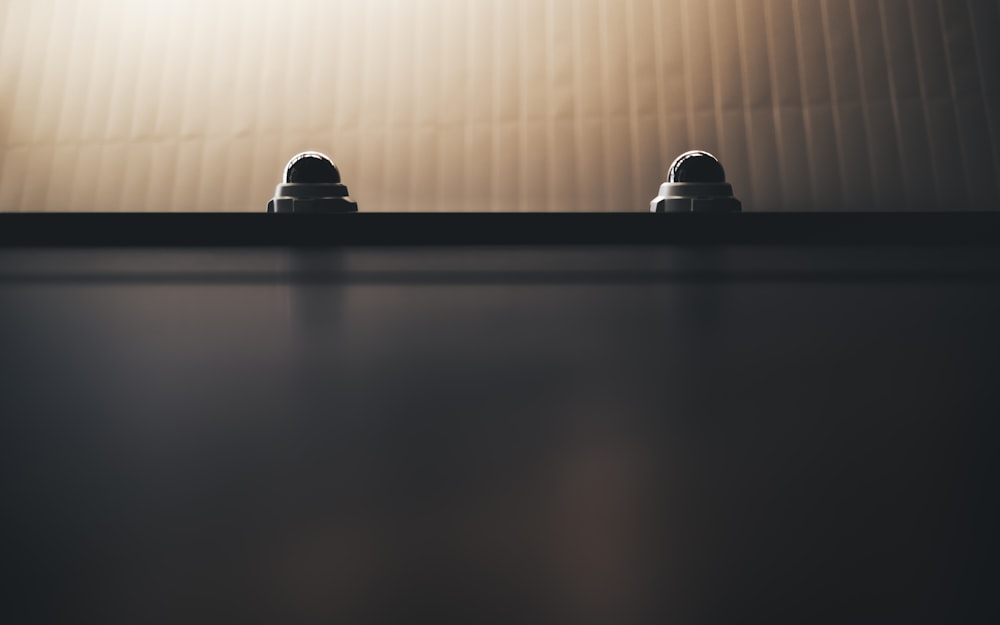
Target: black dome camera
696	183
311	184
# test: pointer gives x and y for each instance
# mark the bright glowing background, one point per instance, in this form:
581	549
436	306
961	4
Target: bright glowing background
484	105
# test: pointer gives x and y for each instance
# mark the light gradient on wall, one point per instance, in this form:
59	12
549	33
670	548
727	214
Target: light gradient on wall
490	105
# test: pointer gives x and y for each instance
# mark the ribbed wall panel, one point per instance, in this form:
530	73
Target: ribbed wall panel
494	105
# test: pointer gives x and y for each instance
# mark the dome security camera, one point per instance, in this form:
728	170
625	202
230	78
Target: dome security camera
696	183
311	184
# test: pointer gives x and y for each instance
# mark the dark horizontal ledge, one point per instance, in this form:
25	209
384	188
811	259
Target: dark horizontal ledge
480	278
495	229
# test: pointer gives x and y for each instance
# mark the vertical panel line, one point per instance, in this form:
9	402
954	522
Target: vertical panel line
475	110
366	169
838	122
806	107
6	116
578	97
990	115
865	112
661	98
393	81
523	119
633	96
39	136
714	55
688	72
775	100
496	118
924	108
741	44
960	136
894	97
551	119
607	137
198	167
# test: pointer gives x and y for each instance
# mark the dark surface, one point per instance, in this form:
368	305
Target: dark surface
499	229
559	433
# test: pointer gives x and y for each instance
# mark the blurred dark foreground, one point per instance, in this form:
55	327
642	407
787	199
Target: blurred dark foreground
643	435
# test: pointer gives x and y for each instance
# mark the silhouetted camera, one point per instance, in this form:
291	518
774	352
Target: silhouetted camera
696	184
311	185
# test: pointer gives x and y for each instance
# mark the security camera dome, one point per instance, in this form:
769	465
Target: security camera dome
311	184
696	183
311	168
697	167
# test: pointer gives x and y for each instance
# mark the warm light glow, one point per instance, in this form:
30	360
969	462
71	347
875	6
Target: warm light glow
491	104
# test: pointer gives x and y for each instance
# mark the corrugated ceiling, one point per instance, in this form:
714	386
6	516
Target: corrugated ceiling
485	105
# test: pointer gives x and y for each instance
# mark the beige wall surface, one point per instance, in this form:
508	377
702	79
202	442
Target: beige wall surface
496	105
